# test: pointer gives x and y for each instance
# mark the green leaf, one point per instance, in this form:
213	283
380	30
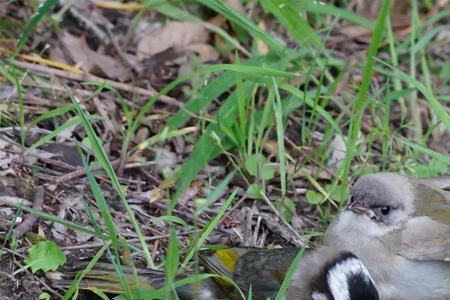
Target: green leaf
255	191
45	296
45	256
285	208
173	219
257	165
337	192
314	197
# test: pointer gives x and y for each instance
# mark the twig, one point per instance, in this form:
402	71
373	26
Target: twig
23	268
130	241
30	219
89	77
296	238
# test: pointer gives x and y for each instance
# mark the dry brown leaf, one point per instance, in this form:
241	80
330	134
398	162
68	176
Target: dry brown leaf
206	52
236	5
370	10
91	61
260	45
174	34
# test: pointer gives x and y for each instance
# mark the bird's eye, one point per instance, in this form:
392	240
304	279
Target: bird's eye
385	210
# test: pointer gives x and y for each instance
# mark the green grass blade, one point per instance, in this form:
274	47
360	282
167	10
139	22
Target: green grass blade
287	280
209	228
425	150
43	9
298	27
360	101
245	23
52	218
101	156
216	193
437	107
319	7
280	137
206	148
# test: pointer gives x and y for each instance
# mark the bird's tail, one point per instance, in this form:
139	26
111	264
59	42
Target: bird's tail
104	277
231	267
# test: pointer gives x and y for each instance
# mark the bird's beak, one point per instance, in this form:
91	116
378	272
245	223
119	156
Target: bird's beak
360	209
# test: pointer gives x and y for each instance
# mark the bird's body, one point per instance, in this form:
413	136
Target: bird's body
329	275
398	227
391	224
396	277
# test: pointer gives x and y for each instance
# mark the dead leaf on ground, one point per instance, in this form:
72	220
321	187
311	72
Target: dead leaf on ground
236	5
91	61
206	52
370	10
174	34
337	155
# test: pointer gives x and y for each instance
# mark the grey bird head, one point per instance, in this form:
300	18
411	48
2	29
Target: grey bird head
385	198
345	278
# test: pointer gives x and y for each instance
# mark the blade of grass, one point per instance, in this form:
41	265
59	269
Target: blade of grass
172	259
113	234
425	150
293	21
326	115
209	93
245	23
427	92
205	148
43	9
180	14
72	122
360	101
208	228
52	218
72	291
319	7
280	137
106	164
413	105
216	193
287	280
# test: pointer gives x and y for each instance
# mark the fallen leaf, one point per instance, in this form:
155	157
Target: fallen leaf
236	5
206	52
337	155
174	34
91	61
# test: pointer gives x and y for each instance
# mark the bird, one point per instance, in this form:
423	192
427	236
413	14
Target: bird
337	275
328	274
399	227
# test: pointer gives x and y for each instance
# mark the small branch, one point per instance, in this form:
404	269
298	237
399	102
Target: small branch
30	219
89	77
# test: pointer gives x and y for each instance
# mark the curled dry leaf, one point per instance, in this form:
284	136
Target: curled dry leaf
174	34
91	61
206	52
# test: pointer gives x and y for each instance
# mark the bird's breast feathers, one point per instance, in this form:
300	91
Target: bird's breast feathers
360	225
